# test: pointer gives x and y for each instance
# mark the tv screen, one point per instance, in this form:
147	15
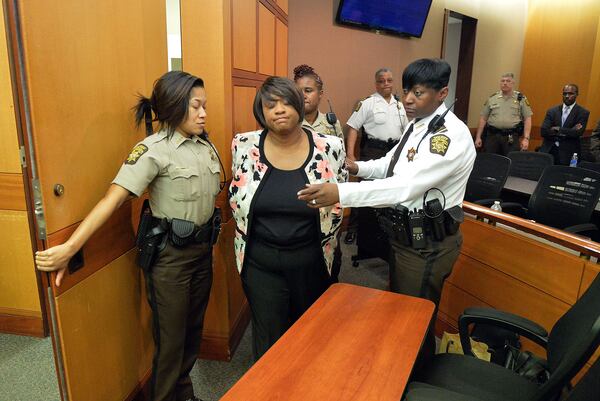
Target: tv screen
397	17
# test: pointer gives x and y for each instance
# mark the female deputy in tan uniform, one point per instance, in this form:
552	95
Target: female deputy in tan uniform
311	86
180	168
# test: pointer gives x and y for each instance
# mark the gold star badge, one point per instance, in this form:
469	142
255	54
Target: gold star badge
136	153
411	154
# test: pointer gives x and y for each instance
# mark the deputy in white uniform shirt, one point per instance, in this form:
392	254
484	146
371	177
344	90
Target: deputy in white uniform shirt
427	157
383	119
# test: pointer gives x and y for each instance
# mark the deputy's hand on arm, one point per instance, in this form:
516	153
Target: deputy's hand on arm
351	166
320	195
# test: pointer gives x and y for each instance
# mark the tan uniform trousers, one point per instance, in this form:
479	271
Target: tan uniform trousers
422	272
177	286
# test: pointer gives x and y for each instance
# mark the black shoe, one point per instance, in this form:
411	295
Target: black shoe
350	237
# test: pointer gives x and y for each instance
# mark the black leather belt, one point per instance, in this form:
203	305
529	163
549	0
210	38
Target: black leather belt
200	234
499	131
380	144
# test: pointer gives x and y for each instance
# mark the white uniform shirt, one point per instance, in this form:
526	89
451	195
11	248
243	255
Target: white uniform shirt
380	119
429	168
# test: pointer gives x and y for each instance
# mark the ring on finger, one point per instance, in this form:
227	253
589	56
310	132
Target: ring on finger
314	201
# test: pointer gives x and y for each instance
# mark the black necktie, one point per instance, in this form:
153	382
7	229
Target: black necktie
396	156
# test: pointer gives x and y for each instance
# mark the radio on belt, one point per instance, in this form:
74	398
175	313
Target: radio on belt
416	224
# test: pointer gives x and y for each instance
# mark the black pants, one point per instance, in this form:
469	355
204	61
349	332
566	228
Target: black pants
178	287
280	285
496	143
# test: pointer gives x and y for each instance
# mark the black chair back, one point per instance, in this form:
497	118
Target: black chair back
590	166
586	153
529	165
572	341
488	177
564	196
588	388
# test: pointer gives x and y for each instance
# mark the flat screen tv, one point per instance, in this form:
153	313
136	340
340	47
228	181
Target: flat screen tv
396	17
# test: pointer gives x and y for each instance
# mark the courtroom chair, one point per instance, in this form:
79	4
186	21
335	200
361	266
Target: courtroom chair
564	198
487	178
585	154
529	165
569	345
588	388
590	166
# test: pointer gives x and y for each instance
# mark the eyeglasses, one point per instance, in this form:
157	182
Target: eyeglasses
383	81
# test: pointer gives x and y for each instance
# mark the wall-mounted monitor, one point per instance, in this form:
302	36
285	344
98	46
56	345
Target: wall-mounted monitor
396	17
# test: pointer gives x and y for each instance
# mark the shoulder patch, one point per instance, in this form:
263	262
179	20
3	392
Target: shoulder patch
439	144
136	153
527	102
358	105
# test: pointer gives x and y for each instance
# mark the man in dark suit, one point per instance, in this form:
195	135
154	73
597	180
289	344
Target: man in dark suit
563	127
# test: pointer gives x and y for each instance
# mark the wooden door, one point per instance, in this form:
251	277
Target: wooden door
79	65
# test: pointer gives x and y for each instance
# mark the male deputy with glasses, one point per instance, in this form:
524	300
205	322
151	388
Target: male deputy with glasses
383	119
563	127
506	118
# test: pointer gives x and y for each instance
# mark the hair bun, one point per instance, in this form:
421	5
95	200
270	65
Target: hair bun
303	70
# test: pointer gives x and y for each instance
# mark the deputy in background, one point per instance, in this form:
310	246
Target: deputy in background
180	168
383	119
311	86
506	117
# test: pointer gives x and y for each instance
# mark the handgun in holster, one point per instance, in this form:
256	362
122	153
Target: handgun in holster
151	238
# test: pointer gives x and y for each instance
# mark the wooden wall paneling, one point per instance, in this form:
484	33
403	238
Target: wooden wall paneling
266	41
84	109
281	49
207	53
20	309
484	282
557	27
590	272
104	350
593	95
9	151
244	20
283	4
542	266
12	192
243	100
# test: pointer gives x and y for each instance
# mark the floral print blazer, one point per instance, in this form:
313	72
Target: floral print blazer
249	169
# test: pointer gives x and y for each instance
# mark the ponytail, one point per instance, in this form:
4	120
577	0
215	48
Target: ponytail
143	111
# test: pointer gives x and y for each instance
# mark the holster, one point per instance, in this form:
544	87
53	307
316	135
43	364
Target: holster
151	238
394	223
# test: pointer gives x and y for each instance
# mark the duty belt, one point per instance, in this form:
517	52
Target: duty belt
373	142
183	232
499	131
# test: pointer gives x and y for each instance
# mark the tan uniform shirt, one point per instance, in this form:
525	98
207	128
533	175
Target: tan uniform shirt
181	174
505	112
323	127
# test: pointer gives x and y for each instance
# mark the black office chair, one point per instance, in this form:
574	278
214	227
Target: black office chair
590	166
571	342
487	178
588	388
529	165
564	198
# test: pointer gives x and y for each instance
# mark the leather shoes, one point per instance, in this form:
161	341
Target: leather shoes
350	237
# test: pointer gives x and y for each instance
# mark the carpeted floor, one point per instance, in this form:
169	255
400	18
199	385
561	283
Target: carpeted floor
27	370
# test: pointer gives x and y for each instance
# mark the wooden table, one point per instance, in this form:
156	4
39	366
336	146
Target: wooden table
354	343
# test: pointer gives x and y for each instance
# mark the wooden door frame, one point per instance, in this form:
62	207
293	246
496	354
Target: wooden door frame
466	54
21	110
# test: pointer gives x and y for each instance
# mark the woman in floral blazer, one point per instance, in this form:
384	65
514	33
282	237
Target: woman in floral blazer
284	249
